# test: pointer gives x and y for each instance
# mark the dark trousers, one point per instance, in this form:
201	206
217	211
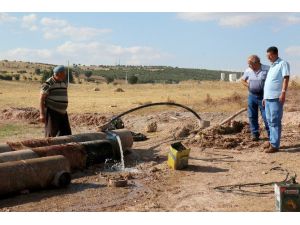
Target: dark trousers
255	103
56	124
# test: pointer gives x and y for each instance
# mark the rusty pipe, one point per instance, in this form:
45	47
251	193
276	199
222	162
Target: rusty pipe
84	154
17	155
74	152
124	134
34	174
5	148
33	143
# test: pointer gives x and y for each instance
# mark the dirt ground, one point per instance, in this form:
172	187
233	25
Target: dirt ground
217	159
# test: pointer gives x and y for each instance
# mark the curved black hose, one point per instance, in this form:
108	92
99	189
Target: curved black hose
148	105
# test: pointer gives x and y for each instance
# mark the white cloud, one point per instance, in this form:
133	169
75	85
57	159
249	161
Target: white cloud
293	51
224	19
53	22
237	20
88	53
29	22
55	28
4	18
102	53
26	54
292	19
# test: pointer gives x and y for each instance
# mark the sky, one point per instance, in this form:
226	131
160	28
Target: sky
190	40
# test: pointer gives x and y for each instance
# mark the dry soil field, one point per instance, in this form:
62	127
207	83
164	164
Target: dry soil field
216	158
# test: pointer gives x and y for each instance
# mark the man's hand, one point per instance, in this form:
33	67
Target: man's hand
263	102
42	119
282	98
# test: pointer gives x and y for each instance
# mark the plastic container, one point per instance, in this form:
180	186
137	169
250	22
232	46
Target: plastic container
178	156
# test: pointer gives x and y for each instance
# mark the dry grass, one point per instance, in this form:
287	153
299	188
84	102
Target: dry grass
82	98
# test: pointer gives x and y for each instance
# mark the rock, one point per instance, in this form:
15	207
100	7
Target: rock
182	132
119	90
151	127
154	169
204	124
117	182
96	89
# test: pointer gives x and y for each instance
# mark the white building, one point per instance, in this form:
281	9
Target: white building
232	77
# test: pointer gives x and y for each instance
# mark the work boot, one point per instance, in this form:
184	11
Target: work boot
271	149
266	144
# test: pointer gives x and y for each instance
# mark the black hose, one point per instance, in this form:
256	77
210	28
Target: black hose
148	105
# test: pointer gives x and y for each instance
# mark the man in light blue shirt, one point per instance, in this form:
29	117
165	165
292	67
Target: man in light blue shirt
274	97
254	79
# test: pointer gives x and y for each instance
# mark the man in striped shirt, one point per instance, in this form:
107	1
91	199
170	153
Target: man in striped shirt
54	103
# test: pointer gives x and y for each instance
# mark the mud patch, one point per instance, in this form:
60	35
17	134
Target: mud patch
227	137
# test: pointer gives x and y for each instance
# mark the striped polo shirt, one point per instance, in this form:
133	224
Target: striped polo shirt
57	95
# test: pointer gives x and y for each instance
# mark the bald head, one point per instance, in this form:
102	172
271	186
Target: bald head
254	62
254	59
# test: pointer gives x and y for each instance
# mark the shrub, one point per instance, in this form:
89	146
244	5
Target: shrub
133	79
37	71
5	77
109	79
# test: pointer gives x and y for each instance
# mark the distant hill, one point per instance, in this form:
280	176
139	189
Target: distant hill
144	74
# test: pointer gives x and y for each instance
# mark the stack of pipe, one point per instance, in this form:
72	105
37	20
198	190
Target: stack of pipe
39	163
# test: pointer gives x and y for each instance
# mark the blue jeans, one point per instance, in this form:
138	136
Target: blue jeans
274	111
255	103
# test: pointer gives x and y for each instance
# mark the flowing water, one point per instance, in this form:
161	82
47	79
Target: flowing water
121	153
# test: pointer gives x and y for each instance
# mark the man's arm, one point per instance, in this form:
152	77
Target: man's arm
42	107
245	83
284	89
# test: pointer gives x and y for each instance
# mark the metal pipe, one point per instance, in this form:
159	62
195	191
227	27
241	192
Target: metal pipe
34	174
33	143
17	155
5	148
84	154
124	134
99	151
74	152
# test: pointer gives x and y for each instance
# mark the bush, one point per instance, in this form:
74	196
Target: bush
5	77
22	71
46	74
88	73
17	77
133	79
109	79
37	71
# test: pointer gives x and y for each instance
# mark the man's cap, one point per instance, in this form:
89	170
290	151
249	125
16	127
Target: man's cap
58	69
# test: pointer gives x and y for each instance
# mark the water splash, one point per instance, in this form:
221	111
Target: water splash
121	152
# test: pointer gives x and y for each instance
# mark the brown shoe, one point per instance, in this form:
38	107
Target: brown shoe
266	144
271	149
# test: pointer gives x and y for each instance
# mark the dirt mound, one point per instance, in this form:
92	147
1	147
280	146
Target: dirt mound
32	114
237	134
235	97
294	85
87	119
182	132
20	113
119	90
